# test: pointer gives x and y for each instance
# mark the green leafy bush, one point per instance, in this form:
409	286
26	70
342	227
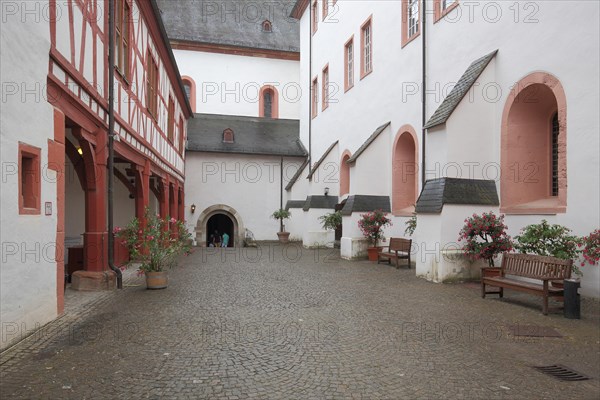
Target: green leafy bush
331	221
548	240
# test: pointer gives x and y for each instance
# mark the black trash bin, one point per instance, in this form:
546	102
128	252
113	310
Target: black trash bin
572	308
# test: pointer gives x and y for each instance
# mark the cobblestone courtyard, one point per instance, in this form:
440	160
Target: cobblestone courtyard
300	324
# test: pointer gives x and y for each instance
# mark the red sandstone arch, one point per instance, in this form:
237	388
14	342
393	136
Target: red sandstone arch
526	146
405	173
345	173
187	81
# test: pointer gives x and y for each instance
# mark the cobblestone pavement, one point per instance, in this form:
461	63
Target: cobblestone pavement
287	323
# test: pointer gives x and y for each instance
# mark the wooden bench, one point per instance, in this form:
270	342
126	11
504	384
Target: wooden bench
545	269
398	249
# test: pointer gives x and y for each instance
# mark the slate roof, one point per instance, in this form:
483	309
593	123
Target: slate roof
296	175
364	203
366	144
233	23
326	202
459	91
264	136
438	192
320	161
294	204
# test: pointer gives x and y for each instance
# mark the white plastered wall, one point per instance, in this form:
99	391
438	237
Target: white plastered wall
28	295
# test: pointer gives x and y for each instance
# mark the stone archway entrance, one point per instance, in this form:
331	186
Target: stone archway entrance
222	224
224	211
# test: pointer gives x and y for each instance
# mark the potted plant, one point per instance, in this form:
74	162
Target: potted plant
590	248
411	225
485	237
331	221
282	214
156	246
545	239
371	225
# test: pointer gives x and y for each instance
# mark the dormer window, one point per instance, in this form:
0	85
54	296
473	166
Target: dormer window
267	26
228	136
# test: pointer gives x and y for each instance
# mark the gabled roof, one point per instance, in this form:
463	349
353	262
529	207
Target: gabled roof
261	136
296	175
438	192
459	91
364	203
318	163
232	23
367	143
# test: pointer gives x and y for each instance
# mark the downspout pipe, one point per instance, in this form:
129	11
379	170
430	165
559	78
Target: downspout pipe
423	91
310	88
111	138
281	192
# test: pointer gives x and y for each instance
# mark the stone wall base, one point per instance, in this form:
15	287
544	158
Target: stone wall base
353	248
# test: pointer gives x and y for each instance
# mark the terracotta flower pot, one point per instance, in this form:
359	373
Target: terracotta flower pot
157	280
284	237
373	253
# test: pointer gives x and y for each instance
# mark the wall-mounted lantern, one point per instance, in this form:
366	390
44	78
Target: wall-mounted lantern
193	208
326	191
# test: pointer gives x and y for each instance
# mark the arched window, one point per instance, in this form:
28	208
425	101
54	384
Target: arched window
228	136
405	181
268	106
533	173
190	91
345	174
267	26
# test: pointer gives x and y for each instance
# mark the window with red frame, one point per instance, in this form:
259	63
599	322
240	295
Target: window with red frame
181	135
315	17
315	96
367	48
122	18
349	64
171	121
325	95
29	179
151	85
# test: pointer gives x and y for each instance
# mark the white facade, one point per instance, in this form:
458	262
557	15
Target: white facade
28	268
468	145
245	187
230	84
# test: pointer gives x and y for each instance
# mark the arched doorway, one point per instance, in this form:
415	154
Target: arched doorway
222	224
236	237
404	172
533	159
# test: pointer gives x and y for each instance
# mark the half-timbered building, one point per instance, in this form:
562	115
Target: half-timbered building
55	119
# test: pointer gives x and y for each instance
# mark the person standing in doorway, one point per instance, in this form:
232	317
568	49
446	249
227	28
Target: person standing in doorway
217	239
225	240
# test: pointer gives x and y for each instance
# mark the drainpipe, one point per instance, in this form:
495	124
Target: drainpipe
281	192
111	138
310	94
423	89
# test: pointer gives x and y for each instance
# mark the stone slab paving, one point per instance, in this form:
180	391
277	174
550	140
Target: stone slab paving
288	323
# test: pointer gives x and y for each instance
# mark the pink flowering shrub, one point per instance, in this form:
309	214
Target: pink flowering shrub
485	237
591	248
371	225
154	245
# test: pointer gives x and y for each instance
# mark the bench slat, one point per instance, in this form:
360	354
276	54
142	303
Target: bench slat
530	266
